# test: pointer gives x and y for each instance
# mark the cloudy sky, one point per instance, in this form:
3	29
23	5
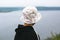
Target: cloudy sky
17	3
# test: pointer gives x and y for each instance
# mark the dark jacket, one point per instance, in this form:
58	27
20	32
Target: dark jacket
25	33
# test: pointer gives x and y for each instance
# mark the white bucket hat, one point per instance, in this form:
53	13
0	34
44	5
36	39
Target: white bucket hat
30	15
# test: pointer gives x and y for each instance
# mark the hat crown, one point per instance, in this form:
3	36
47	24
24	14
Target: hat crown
30	9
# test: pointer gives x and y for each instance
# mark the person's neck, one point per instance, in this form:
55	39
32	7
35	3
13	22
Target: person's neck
25	24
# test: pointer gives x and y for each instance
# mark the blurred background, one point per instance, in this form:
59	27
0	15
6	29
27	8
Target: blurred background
11	11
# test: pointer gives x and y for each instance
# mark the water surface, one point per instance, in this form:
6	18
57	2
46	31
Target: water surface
50	22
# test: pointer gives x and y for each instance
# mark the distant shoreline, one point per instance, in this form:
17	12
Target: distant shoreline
10	9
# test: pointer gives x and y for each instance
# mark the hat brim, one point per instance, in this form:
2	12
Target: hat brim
38	17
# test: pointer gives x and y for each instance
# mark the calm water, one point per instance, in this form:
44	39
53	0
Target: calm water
50	22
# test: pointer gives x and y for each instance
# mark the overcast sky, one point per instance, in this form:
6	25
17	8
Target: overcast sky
17	3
